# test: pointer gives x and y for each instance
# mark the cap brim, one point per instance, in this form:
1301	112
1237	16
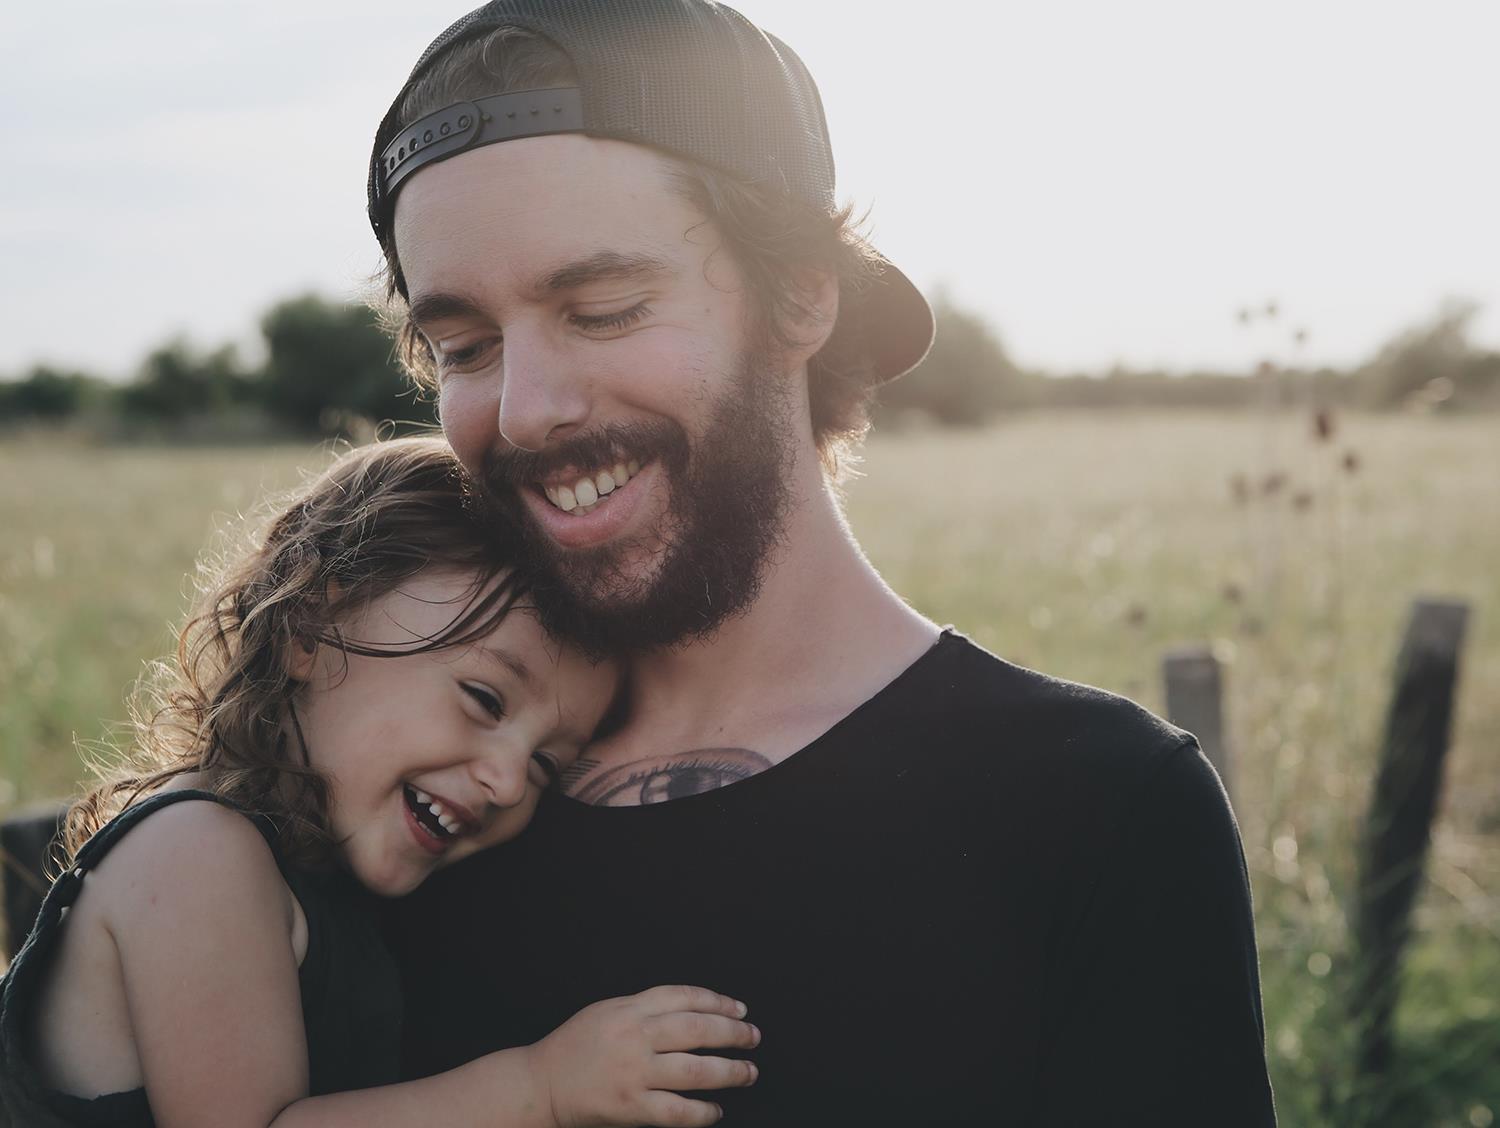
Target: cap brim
898	323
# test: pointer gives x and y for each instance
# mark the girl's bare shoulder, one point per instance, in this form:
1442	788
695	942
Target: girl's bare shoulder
190	859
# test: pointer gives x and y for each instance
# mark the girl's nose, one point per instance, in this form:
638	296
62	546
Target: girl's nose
502	777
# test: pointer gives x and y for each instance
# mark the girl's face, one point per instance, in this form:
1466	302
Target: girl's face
432	757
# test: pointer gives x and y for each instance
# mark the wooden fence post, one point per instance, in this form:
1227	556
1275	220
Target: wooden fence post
1393	847
26	838
1195	701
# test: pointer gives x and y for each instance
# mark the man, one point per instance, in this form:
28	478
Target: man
952	891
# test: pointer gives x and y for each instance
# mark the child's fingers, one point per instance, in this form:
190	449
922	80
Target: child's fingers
668	1110
695	1031
699	1073
660	1000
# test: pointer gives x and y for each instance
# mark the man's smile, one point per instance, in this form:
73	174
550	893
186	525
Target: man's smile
578	492
584	509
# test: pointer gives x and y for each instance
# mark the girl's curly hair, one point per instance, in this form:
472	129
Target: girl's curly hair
220	707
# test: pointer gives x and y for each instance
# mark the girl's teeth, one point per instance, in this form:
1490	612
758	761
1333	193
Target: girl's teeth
422	796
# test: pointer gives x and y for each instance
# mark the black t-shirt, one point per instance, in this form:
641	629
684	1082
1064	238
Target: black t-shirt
985	897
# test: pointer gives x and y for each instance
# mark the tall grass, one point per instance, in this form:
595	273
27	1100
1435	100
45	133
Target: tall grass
1084	545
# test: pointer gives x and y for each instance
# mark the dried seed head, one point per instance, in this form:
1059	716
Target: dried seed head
1323	424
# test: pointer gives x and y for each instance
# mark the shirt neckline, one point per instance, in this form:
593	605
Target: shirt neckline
800	760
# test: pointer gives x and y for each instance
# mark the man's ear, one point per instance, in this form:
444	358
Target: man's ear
818	294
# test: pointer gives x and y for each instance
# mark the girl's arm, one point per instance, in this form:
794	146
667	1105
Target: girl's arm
203	924
614	1063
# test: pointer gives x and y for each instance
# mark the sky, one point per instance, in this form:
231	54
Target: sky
1105	183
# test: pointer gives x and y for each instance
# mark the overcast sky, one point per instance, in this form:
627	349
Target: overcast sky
1106	182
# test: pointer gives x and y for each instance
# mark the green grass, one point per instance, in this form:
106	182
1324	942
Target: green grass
1084	545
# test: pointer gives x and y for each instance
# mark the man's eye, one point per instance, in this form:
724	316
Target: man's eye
611	321
466	358
489	702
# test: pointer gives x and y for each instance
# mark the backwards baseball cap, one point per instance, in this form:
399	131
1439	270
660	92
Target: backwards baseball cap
692	77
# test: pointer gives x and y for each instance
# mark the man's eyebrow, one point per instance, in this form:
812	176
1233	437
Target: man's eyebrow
427	308
602	266
510	661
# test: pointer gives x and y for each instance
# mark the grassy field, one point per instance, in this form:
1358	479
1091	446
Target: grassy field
1084	545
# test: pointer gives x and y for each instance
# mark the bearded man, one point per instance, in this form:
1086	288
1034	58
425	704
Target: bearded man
952	890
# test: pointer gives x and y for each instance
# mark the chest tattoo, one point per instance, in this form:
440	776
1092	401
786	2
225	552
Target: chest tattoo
658	779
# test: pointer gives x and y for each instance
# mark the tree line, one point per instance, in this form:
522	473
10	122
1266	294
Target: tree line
329	369
327	365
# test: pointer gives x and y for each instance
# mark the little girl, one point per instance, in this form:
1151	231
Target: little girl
365	695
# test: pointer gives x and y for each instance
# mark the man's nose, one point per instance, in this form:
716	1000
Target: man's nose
502	776
543	397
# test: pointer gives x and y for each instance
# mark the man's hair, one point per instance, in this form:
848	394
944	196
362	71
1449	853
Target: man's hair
775	241
221	707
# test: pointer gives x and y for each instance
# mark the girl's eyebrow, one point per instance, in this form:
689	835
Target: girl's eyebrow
510	662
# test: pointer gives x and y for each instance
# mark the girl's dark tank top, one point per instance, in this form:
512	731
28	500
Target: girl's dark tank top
351	1005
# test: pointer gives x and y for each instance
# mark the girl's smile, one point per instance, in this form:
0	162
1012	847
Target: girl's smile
435	755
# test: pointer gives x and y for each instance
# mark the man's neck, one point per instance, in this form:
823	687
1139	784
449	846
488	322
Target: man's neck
824	635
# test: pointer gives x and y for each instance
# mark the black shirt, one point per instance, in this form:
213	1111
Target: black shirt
985	897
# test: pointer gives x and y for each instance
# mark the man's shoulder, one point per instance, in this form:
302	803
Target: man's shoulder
1002	716
969	685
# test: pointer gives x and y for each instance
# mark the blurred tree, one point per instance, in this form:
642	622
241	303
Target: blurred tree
175	382
966	378
329	361
1433	361
47	393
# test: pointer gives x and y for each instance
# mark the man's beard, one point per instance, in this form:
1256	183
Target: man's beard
728	496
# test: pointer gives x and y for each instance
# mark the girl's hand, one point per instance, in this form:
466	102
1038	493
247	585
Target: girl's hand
620	1062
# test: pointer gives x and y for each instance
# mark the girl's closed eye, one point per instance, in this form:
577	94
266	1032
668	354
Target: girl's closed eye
549	765
486	698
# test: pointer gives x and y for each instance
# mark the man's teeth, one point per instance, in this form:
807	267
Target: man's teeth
587	490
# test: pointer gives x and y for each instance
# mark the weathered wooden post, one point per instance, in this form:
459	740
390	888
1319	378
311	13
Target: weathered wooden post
1195	701
1393	847
26	839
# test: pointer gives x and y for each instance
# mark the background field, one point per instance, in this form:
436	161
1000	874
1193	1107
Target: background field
1082	544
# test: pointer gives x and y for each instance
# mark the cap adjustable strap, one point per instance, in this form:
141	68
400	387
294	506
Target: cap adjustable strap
483	121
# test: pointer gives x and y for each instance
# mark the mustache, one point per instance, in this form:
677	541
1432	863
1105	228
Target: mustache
505	468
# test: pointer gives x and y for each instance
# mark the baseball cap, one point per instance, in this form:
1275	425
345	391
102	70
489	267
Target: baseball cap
692	77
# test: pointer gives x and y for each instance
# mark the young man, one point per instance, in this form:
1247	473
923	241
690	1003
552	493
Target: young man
953	891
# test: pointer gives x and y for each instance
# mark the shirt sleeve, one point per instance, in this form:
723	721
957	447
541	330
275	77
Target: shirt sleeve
1154	1013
